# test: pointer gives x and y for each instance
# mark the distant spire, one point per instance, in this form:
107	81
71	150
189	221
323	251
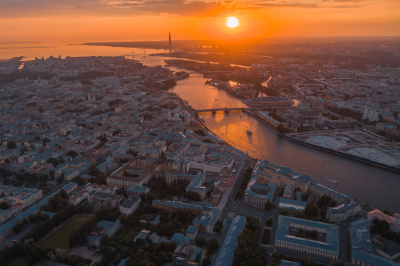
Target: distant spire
170	44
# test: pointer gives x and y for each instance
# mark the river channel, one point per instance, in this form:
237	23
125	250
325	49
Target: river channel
371	185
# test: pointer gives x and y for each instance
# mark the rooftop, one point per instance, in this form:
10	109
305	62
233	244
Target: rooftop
331	242
130	202
228	247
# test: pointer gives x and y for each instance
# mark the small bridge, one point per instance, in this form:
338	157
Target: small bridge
225	110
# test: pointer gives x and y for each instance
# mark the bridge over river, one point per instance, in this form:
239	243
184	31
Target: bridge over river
226	110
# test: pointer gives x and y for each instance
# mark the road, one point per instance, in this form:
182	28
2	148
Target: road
239	208
9	239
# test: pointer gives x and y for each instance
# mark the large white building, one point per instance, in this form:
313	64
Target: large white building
128	176
129	206
343	211
326	245
100	188
79	197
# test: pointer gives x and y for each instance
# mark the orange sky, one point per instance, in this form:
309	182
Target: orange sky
125	20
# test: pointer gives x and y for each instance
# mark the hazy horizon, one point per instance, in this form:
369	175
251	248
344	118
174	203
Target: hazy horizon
110	20
276	38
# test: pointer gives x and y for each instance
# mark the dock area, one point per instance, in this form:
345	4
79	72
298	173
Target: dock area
355	142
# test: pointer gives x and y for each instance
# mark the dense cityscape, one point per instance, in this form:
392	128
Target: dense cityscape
102	164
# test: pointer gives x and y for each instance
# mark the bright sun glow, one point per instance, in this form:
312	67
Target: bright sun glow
232	22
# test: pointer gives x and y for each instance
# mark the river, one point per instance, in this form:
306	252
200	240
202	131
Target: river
375	186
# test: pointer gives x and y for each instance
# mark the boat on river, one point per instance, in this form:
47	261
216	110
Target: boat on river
333	181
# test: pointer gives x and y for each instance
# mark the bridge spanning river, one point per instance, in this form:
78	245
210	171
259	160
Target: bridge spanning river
226	110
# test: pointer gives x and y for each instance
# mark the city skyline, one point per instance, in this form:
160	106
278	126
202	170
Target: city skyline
95	20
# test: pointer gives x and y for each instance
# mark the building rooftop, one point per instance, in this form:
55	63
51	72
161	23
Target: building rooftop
391	248
70	186
228	247
178	204
129	202
180	238
207	217
296	205
361	244
138	189
191	229
342	208
331	242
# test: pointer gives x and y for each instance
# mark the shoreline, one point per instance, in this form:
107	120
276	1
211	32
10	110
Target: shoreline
339	153
346	155
321	148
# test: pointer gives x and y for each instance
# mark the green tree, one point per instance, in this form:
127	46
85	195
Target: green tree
218	226
23	150
108	256
387	212
51	174
53	161
308	261
191	195
213	246
63	194
11	145
311	210
79	180
122	191
397	238
206	262
60	179
200	241
116	132
4	205
72	154
304	196
383	225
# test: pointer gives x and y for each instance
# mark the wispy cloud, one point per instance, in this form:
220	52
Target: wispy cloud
310	4
193	8
177	7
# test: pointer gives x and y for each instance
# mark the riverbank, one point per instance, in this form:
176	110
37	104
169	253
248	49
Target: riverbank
332	151
363	160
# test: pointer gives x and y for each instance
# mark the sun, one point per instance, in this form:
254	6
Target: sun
232	22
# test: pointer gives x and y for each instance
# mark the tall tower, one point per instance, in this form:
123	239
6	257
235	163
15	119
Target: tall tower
170	45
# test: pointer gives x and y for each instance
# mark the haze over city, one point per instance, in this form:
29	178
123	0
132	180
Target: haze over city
100	20
202	133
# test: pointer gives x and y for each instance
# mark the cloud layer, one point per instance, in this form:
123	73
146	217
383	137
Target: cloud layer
195	8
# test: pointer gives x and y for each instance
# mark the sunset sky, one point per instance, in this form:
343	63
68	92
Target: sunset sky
129	20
